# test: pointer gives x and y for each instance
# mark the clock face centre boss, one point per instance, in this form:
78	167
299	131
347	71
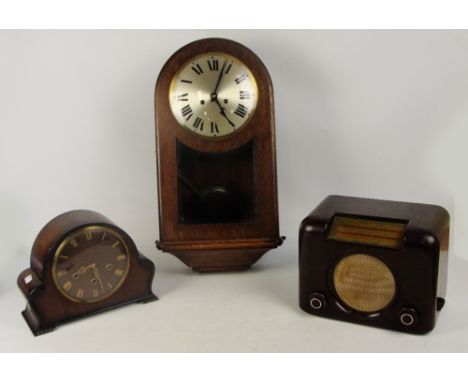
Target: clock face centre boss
216	156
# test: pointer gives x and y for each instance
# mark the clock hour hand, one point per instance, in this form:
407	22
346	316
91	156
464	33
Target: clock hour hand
98	278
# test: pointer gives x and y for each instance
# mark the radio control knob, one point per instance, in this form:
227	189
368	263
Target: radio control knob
318	301
408	317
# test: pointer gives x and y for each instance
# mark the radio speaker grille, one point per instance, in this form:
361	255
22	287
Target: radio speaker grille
364	283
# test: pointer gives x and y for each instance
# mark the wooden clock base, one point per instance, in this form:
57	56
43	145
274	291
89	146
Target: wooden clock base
237	255
37	328
46	308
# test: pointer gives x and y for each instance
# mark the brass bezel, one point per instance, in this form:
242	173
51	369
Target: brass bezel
67	240
194	58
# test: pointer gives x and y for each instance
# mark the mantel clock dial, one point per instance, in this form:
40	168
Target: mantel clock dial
216	157
91	264
81	264
213	95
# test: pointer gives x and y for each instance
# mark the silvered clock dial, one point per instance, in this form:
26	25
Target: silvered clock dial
213	95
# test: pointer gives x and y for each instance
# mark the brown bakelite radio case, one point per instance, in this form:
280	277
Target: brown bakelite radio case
374	262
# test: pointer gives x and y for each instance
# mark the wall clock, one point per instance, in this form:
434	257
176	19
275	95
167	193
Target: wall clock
216	157
81	264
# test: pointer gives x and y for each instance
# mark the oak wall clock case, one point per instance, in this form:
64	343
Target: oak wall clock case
81	264
216	157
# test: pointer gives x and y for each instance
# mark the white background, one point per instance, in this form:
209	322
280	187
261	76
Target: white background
366	113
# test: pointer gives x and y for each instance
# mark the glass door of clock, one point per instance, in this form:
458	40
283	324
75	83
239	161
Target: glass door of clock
216	187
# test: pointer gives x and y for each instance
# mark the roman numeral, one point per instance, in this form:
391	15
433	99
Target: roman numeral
197	69
89	236
187	112
182	97
95	293
240	78
213	64
115	244
241	111
74	243
244	94
198	123
214	128
80	293
67	286
228	68
186	81
61	273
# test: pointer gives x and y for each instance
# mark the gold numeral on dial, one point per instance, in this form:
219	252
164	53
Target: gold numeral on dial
89	235
80	293
61	273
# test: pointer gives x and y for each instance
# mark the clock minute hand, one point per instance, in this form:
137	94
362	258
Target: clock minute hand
219	79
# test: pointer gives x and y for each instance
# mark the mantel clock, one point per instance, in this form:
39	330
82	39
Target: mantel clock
82	264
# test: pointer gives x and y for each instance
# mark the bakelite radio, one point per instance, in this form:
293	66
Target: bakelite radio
374	262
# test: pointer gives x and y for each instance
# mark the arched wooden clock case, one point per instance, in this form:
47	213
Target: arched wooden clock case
218	204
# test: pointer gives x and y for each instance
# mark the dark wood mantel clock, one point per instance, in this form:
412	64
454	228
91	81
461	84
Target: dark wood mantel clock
82	264
215	139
